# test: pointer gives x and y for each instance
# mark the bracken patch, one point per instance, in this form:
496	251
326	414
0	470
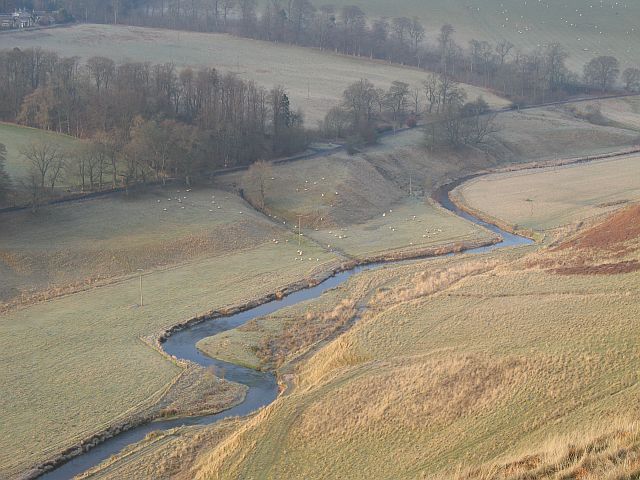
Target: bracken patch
604	269
611	235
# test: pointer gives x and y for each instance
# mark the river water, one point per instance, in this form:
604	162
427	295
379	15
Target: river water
263	388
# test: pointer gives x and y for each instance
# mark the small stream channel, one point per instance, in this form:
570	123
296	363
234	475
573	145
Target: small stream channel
263	388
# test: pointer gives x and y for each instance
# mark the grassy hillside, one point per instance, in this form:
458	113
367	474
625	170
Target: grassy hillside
504	359
587	29
54	354
15	137
315	80
360	207
426	382
202	253
201	250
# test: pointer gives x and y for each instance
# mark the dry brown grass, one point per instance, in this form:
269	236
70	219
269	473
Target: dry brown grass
309	330
604	453
610	247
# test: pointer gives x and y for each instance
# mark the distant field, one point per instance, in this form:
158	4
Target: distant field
622	112
552	133
554	197
586	29
357	207
315	80
15	137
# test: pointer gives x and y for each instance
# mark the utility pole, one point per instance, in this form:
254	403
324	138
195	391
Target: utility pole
410	186
299	230
141	296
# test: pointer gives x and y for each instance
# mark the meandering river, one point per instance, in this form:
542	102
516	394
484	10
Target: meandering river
263	388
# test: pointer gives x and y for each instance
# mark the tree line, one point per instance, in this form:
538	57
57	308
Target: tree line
535	76
142	121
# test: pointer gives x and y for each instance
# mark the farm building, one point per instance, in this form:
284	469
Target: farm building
24	19
6	21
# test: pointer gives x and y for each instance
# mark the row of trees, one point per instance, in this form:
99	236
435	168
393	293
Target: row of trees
535	76
603	73
226	120
450	119
539	75
138	121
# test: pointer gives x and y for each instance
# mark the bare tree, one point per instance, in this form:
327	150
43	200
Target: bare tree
602	72
254	183
359	100
631	77
101	70
503	48
46	162
396	99
431	92
336	123
227	7
416	33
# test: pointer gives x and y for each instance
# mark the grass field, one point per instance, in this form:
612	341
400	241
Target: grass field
549	133
199	257
207	252
315	80
623	112
82	355
555	197
456	376
15	137
496	360
360	205
586	29
81	243
418	382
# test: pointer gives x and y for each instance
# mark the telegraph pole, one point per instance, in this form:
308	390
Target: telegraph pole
299	230
141	296
410	186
